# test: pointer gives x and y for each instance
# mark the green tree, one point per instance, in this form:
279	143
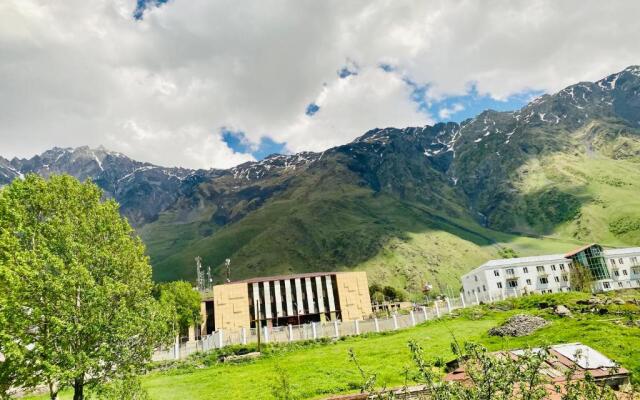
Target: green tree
183	300
75	287
393	294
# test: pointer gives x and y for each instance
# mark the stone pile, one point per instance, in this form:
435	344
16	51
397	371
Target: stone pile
519	325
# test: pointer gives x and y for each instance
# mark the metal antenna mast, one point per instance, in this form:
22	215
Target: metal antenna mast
227	264
199	274
209	279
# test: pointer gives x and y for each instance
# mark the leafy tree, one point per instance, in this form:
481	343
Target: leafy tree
580	277
75	288
392	293
183	300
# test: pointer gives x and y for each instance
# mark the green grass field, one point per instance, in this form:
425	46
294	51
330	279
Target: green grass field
321	369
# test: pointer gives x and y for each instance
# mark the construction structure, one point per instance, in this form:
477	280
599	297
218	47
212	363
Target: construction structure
609	269
576	357
285	300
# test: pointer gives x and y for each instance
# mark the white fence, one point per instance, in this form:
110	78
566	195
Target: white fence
320	330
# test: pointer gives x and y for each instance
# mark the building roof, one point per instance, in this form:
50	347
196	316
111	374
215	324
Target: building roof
283	277
621	252
508	262
579	249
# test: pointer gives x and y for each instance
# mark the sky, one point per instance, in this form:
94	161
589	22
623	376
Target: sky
209	83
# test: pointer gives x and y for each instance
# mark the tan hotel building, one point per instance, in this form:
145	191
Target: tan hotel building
286	300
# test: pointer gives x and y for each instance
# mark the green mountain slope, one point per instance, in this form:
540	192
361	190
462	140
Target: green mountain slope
424	205
412	206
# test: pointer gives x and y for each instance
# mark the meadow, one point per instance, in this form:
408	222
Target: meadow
318	370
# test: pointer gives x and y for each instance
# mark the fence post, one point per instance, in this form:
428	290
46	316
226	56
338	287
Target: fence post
502	291
424	311
437	308
448	305
290	333
220	339
244	335
176	348
375	321
266	334
462	300
477	300
335	328
413	319
490	297
357	324
395	322
313	331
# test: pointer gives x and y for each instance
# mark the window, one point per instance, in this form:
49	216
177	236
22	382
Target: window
525	270
510	271
484	288
544	280
540	268
606	285
475	278
499	285
624	272
561	267
557	279
512	283
613	262
565	278
528	281
620	261
496	272
619	284
478	289
634	260
616	273
553	267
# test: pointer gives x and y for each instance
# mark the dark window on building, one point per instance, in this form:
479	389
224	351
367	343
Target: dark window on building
544	280
499	285
525	270
512	283
496	272
540	268
553	267
528	281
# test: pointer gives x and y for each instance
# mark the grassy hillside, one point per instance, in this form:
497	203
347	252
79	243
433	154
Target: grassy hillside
387	210
341	226
320	369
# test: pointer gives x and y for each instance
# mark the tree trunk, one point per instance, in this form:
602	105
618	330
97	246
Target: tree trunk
53	391
78	388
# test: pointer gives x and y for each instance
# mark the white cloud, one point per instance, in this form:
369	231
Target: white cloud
80	72
446	112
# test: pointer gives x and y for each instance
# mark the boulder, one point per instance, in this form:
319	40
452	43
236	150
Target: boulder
562	311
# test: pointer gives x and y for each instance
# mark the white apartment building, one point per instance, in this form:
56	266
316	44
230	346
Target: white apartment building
610	269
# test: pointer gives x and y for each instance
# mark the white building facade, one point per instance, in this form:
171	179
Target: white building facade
611	269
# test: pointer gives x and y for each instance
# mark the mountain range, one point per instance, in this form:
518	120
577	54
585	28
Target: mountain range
410	205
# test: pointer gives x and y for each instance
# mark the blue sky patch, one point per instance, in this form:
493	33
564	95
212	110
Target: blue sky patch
312	109
239	143
142	5
459	108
